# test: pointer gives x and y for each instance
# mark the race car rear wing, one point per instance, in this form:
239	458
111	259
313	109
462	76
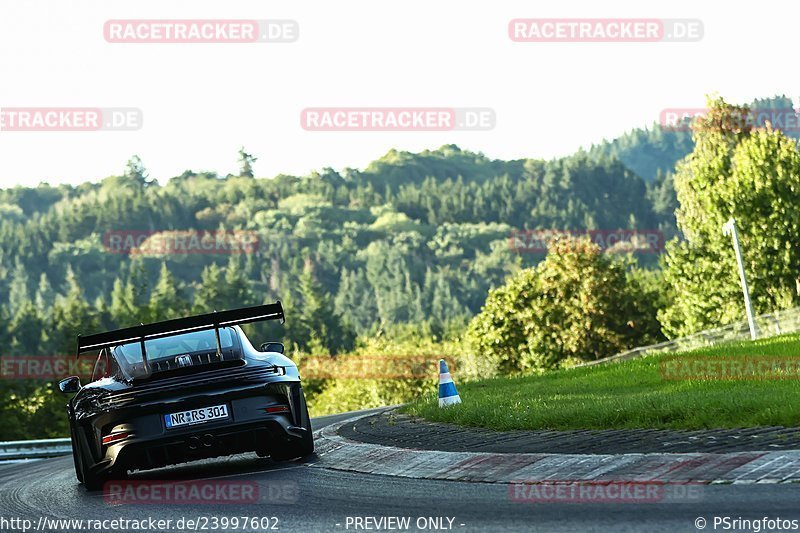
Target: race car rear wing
177	326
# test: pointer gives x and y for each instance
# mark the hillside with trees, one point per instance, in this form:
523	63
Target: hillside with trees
411	254
412	239
653	152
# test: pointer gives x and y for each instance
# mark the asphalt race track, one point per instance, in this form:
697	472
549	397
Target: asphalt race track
329	500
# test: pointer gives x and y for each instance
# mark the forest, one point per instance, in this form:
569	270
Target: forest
402	254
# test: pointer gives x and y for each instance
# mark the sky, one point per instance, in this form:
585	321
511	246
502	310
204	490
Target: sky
199	102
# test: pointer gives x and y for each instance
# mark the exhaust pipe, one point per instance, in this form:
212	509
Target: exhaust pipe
207	440
194	443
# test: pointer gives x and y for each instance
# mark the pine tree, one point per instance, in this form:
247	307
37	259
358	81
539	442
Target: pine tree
44	296
319	316
122	309
26	330
166	300
355	301
246	163
72	315
138	290
136	171
237	292
445	307
18	288
315	304
295	331
210	294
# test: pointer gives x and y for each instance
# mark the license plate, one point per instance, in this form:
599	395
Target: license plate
196	416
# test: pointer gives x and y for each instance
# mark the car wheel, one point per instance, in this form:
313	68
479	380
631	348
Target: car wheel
304	446
94	481
89	479
75	459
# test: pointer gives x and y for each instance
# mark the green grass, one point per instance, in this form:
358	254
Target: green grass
630	394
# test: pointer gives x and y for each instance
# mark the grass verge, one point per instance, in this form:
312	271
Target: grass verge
632	394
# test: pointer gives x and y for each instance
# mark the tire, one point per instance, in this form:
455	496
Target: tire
298	448
94	482
91	480
75	459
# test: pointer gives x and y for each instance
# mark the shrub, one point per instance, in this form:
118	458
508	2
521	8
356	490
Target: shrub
576	304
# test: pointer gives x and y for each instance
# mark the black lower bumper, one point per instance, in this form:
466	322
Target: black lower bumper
200	443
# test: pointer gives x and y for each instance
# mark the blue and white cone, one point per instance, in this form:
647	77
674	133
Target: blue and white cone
447	389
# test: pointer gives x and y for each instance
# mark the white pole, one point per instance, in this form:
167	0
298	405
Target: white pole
729	228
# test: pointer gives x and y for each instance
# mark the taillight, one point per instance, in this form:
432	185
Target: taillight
115	437
277	409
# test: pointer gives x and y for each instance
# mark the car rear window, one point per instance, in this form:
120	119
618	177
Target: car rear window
185	343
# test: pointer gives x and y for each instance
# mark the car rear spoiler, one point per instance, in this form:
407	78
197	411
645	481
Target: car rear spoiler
177	326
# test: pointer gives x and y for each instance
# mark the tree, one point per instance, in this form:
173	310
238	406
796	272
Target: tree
44	295
752	175
387	273
166	300
122	309
319	317
18	288
130	298
246	162
355	301
578	304
139	287
72	315
210	294
27	330
443	307
136	171
237	291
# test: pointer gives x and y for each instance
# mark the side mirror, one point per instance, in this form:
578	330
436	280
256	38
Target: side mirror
272	347
70	384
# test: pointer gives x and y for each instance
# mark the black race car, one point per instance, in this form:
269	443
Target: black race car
184	389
